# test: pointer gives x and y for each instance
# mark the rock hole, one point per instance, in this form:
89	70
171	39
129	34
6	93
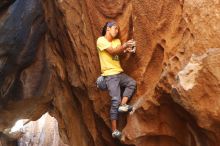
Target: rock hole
43	131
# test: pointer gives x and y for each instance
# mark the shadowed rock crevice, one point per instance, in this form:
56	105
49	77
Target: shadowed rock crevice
20	43
5	3
7	141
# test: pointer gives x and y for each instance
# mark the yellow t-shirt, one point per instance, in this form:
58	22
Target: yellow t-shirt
110	65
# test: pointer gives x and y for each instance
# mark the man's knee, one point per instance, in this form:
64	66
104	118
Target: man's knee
132	84
115	102
114	108
130	89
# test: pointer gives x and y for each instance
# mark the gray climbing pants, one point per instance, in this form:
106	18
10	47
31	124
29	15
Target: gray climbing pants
115	83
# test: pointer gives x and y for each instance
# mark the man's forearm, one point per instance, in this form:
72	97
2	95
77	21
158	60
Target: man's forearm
117	50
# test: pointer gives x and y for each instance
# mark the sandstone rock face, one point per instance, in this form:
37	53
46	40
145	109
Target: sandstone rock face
49	63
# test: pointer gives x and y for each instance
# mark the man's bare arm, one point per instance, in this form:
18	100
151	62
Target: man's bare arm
116	51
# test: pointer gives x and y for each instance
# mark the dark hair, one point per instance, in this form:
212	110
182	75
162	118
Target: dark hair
109	24
104	29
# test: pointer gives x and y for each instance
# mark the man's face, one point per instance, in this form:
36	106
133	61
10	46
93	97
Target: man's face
113	30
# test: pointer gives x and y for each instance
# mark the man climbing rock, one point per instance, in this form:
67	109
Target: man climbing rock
109	48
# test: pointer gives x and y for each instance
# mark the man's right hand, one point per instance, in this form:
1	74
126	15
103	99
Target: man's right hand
130	43
130	46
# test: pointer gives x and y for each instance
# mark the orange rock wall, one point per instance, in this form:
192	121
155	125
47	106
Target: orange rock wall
175	65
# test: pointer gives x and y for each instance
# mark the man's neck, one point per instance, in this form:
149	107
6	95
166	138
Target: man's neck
108	37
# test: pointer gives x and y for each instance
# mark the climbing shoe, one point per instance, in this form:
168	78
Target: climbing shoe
116	134
125	108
